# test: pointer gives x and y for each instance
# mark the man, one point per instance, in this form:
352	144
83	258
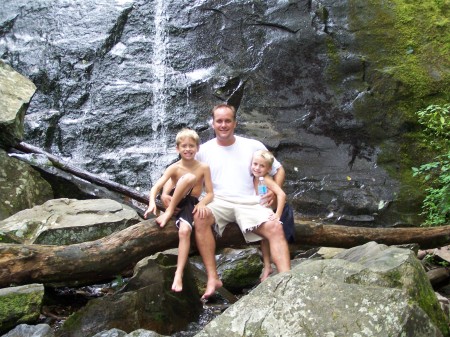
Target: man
229	157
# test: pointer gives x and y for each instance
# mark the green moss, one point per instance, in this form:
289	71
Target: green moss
20	307
406	48
426	299
414	281
243	273
333	73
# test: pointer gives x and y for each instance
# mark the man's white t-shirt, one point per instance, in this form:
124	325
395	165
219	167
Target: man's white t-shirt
230	166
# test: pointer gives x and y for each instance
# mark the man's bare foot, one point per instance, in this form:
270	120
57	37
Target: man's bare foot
211	287
177	284
266	273
162	220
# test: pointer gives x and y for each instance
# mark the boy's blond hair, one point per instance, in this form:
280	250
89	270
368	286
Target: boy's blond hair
187	133
266	155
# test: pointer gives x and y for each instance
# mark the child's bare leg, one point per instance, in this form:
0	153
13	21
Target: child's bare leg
164	218
267	269
184	184
184	234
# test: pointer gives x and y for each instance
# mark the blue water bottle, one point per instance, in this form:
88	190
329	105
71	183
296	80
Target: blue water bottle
262	188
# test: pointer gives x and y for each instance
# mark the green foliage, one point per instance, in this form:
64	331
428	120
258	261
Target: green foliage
431	259
118	282
436	120
436	174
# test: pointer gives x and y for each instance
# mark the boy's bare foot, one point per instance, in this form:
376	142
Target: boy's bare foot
162	220
177	284
211	287
266	273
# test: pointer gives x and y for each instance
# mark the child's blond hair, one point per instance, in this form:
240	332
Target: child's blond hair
266	155
187	133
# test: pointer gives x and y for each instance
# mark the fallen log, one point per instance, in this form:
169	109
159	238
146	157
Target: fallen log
84	263
106	258
92	178
438	276
314	234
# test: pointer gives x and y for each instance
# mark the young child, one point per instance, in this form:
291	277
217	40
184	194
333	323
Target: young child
189	177
261	165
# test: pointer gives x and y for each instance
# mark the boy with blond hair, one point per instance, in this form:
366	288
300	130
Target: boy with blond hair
190	177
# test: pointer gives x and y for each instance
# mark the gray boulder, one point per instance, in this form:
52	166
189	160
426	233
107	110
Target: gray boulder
120	333
16	92
25	330
146	302
67	221
20	305
237	268
21	187
387	294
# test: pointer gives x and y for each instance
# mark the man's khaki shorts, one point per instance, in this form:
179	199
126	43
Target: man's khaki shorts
248	213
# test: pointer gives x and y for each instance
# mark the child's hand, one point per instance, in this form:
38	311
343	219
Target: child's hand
147	213
151	209
274	217
268	198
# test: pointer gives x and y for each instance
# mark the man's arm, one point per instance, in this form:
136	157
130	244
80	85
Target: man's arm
280	176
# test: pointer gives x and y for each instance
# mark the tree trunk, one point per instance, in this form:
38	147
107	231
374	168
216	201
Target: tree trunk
95	179
103	259
86	262
438	276
310	233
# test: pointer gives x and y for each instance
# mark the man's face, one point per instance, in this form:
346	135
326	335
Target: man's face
224	123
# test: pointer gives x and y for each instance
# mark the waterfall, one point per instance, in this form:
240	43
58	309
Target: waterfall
158	66
163	152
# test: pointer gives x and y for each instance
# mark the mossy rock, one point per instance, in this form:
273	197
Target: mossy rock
19	305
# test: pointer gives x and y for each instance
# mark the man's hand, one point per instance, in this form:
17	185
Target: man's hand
202	210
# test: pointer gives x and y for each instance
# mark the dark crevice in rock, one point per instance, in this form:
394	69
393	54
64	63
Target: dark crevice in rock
217	11
236	96
6	26
115	33
275	25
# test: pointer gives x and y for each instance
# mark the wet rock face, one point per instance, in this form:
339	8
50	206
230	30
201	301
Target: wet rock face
116	80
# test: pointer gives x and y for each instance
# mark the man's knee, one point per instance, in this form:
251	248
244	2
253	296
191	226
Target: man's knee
273	228
203	223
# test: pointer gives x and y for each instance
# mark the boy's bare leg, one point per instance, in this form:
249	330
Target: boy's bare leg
184	184
163	219
206	245
267	269
184	234
279	249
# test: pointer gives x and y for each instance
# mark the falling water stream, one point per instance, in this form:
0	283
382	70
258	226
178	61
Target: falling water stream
159	70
